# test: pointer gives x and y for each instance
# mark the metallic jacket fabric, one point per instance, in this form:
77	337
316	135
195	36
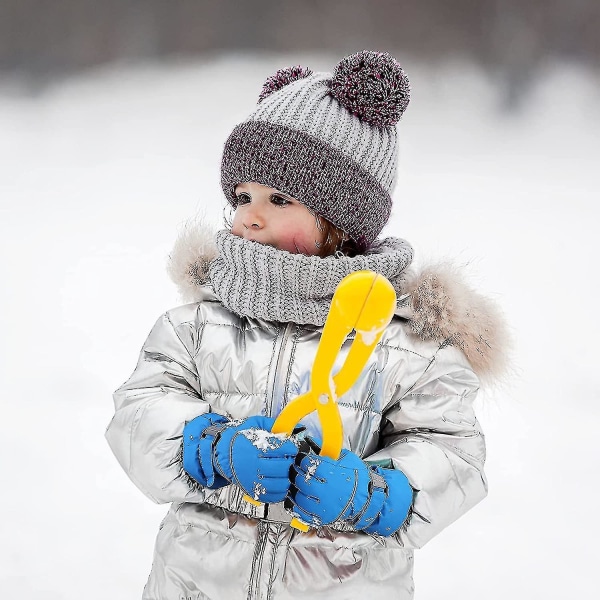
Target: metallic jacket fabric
411	409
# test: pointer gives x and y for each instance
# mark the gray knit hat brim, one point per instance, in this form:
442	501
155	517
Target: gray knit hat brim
301	165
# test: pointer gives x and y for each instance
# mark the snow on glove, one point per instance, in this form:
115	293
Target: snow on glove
249	455
325	490
198	438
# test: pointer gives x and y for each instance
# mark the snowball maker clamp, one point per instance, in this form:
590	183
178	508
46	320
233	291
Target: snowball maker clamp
363	301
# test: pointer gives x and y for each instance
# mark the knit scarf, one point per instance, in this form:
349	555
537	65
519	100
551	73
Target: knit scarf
260	281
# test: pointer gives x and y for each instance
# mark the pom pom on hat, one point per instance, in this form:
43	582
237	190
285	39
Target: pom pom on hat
282	78
372	86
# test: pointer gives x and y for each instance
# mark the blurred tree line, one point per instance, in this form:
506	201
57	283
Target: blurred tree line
46	38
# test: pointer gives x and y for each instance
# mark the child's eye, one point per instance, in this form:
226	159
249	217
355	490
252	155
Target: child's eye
242	198
279	200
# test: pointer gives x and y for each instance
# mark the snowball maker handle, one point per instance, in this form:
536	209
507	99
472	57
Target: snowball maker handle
363	301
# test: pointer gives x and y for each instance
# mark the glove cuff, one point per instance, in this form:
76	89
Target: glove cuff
378	491
396	505
198	438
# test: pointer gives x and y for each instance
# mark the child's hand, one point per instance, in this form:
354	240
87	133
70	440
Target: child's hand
259	461
325	490
198	438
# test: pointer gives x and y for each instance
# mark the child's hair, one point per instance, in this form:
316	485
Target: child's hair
335	240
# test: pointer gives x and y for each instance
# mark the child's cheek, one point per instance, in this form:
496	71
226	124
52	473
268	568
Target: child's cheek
299	240
287	243
237	223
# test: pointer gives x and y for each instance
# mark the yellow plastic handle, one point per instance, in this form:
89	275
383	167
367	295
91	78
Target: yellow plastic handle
363	301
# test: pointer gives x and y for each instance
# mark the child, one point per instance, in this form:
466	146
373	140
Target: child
310	175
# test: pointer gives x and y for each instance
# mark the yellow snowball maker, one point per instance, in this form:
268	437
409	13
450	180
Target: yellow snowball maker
363	301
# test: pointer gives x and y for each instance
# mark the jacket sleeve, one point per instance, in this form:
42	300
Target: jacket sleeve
151	410
430	433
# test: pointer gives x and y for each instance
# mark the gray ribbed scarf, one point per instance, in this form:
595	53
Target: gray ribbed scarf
260	281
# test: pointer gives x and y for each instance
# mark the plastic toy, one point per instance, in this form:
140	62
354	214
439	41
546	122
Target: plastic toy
363	301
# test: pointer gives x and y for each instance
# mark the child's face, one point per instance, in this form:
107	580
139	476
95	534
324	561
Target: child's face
271	217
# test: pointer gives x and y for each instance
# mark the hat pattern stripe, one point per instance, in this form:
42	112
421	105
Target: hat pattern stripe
334	186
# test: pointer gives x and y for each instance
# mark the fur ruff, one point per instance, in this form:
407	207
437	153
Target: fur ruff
190	258
442	307
437	303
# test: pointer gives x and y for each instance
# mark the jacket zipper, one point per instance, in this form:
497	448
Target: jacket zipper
278	388
257	560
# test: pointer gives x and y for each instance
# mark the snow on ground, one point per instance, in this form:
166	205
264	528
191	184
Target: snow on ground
98	174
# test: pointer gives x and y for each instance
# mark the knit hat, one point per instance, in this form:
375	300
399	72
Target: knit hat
328	140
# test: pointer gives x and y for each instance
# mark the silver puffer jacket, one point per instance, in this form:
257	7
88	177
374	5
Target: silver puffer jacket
411	409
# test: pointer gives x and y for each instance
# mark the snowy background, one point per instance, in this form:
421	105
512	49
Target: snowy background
98	174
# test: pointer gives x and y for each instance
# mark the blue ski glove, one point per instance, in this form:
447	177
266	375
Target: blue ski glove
250	456
325	490
396	505
198	439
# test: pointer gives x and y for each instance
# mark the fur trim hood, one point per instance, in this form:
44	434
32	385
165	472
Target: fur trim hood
436	302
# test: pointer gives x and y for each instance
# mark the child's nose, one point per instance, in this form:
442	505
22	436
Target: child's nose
254	218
